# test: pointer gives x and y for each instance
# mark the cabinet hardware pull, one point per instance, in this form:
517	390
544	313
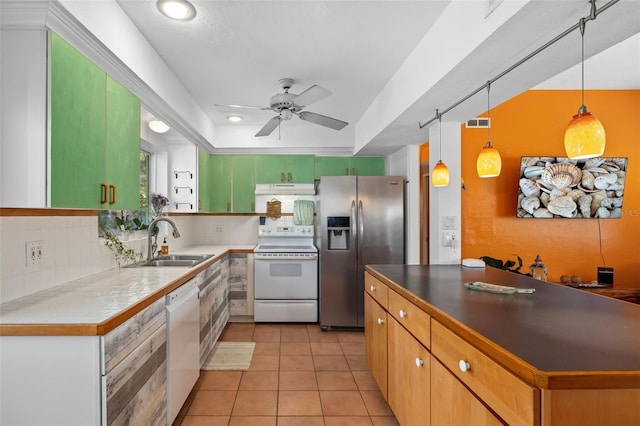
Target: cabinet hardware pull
419	362
372	288
403	314
282	177
380	321
229	206
253	206
103	193
177	188
112	194
464	365
289	177
346	171
177	172
178	204
353	171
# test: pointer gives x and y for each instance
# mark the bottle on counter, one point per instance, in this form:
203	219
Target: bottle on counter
164	248
538	270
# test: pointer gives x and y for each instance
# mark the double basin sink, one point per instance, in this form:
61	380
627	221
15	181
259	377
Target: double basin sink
188	260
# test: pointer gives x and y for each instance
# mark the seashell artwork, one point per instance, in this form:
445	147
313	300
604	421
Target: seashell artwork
557	187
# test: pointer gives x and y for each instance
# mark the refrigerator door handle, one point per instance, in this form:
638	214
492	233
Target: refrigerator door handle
360	232
352	231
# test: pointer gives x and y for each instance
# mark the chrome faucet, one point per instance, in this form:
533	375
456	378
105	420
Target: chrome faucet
152	247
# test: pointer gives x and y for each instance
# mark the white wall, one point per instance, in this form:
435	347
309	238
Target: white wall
406	162
445	201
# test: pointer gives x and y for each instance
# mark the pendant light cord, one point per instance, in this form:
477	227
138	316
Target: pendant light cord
439	130
582	27
593	13
488	111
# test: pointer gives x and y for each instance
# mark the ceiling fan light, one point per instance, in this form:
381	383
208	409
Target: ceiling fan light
585	136
440	175
180	10
158	126
489	162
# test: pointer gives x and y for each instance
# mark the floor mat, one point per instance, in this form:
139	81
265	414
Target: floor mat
230	356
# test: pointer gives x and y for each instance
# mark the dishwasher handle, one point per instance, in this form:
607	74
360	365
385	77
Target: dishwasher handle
175	300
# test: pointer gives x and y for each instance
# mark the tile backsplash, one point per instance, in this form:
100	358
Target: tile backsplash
71	248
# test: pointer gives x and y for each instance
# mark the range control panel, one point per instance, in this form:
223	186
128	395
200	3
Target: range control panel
286	231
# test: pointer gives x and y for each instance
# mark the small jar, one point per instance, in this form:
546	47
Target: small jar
538	270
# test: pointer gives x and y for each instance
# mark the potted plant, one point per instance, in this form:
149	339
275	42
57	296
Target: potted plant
123	254
139	227
158	203
123	225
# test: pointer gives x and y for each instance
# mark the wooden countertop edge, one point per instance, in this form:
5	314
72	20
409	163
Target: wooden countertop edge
100	329
542	379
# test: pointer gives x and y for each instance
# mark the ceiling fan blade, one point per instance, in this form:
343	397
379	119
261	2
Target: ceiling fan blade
322	120
269	127
243	106
311	95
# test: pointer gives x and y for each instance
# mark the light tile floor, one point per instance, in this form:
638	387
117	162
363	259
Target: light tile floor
299	376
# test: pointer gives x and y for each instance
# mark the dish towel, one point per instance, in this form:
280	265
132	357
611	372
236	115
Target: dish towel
303	212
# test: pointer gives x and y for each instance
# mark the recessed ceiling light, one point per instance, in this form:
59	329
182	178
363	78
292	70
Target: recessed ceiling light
180	10
158	126
234	118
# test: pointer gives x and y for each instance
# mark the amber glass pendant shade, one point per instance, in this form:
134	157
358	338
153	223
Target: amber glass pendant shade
440	174
584	137
489	163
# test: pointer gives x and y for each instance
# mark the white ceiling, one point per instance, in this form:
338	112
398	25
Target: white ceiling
234	52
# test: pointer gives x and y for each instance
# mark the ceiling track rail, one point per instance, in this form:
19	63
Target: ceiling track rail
593	15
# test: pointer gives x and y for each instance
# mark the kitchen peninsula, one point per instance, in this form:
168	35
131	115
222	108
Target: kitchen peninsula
557	356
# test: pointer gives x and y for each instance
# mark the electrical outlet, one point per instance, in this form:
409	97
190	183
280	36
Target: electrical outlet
219	228
33	253
449	239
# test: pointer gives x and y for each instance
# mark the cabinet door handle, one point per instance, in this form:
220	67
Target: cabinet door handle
103	193
112	194
353	171
419	362
288	176
380	321
282	177
228	206
464	366
253	206
372	288
403	314
346	171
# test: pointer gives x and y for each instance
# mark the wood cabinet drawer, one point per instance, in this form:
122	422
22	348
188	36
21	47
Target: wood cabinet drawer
377	290
511	398
411	317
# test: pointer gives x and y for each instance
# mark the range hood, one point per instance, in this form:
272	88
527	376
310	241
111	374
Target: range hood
285	189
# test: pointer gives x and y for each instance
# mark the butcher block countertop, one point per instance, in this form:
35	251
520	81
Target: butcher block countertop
96	304
555	338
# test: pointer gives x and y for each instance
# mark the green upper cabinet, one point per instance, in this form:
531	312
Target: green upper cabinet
204	190
219	183
284	169
122	147
78	128
332	166
244	184
349	166
367	166
95	135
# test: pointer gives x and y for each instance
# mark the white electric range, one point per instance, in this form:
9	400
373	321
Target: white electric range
286	274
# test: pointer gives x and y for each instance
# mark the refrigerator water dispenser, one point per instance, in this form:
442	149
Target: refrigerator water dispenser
338	228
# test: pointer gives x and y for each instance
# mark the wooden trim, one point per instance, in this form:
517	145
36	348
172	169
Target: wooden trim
13	211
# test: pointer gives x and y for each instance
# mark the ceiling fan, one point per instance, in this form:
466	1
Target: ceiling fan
288	104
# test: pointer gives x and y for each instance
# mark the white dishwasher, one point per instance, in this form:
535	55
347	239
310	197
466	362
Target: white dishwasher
183	346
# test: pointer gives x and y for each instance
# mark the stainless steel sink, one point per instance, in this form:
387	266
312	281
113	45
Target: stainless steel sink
188	260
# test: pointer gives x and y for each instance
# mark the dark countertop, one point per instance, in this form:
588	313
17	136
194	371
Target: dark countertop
554	329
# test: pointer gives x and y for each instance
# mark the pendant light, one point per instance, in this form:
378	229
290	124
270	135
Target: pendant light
585	136
440	174
489	162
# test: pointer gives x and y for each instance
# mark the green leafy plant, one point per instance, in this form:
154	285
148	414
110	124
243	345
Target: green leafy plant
122	224
509	265
123	254
140	225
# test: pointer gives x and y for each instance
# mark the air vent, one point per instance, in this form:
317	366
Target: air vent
478	123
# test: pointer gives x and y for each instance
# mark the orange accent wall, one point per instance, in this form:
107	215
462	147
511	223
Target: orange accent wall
533	124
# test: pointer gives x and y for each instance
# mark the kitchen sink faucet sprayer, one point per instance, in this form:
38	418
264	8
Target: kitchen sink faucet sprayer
151	247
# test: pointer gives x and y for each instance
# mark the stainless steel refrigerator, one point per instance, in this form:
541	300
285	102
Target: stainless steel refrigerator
361	223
